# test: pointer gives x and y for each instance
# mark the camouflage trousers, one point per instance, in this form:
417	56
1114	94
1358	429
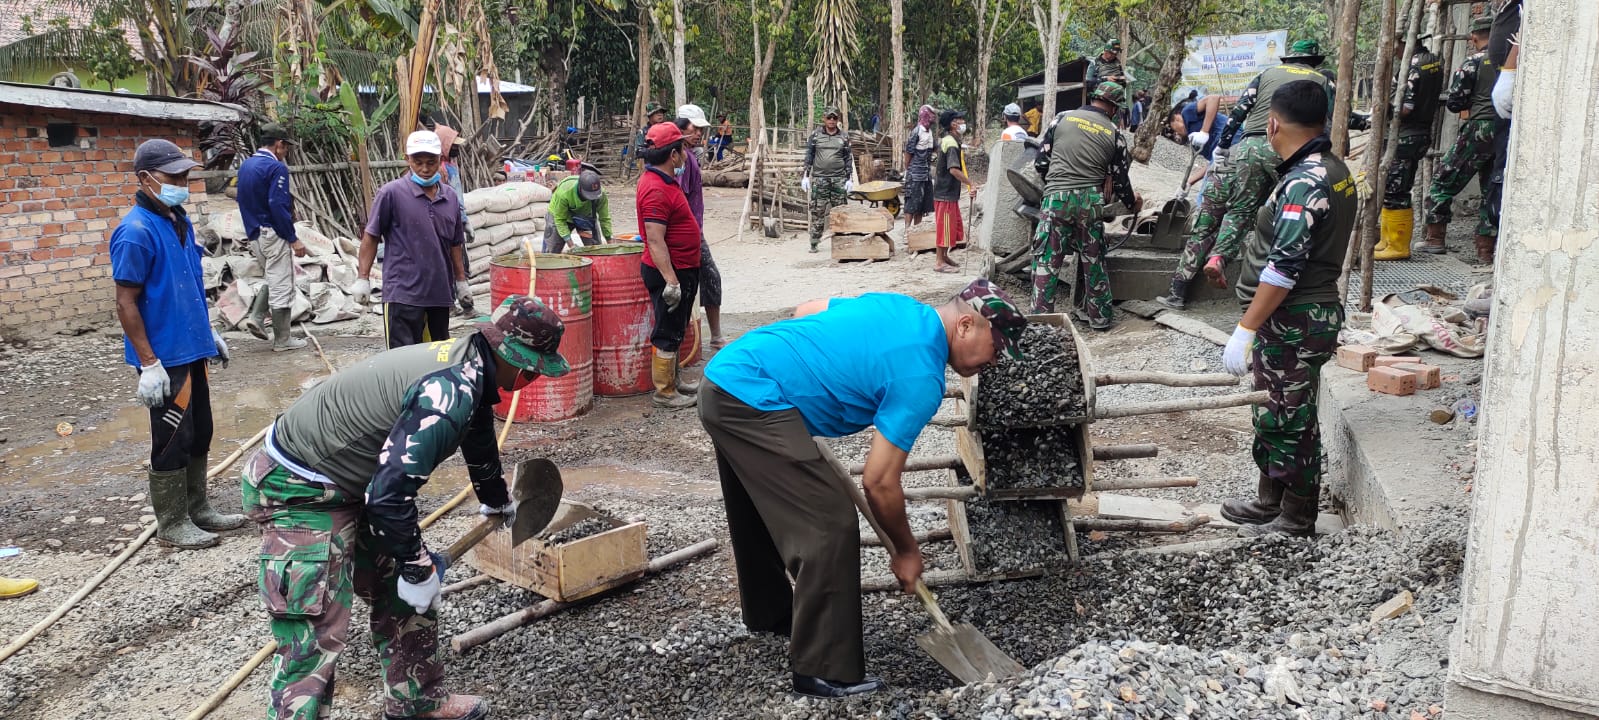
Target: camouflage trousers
826	193
1402	176
1247	182
1212	206
316	555
1290	348
1069	223
1472	154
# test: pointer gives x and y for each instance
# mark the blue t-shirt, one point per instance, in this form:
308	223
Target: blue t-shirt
145	252
877	359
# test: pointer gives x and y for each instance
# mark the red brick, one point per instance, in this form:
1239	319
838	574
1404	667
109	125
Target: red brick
54	205
1359	358
1427	376
1390	381
1392	360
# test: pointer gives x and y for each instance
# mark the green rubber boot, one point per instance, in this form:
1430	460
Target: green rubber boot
200	510
255	322
169	494
281	327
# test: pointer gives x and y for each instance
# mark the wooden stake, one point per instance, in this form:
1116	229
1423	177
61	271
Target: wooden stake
1145	483
1181	404
1130	377
935	535
1178	526
1345	40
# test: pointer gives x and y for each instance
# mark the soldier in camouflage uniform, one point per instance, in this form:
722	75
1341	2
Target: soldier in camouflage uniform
333	489
829	164
1423	83
1470	91
1249	172
1289	288
1080	149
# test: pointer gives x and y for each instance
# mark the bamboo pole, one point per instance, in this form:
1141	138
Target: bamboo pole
1187	524
1182	404
1342	102
934	535
931	578
1145	483
1385	135
1129	377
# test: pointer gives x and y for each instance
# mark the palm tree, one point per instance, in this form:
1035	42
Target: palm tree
836	43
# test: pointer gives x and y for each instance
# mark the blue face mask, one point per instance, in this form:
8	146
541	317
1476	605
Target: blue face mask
173	195
678	171
429	182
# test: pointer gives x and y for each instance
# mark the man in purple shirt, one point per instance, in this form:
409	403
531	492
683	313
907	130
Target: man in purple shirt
691	120
420	220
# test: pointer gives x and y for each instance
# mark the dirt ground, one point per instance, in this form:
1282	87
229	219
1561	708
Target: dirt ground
166	630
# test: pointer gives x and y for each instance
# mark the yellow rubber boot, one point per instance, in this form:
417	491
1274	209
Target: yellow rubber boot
15	588
1397	227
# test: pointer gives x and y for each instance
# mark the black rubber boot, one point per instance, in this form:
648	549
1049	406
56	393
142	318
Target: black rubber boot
818	687
1177	299
1264	509
1298	518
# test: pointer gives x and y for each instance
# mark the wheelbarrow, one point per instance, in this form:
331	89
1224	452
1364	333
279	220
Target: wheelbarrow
878	192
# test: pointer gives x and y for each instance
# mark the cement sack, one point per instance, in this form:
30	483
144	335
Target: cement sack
349	247
243	266
213	269
316	244
231	309
478	221
529	227
1440	327
227	224
535	211
496	234
507	197
342	274
330	304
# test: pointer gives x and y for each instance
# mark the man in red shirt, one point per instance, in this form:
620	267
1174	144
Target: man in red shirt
671	234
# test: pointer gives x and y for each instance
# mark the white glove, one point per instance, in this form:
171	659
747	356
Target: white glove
673	294
154	385
508	510
222	356
805	183
424	595
1218	158
361	291
576	239
849	185
1236	357
1197	140
463	290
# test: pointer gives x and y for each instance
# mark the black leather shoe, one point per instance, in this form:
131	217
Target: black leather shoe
817	687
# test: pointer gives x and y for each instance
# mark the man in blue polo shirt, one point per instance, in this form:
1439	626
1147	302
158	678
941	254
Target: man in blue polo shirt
167	336
268	213
839	366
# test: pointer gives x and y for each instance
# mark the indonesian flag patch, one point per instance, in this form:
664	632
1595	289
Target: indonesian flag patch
1293	212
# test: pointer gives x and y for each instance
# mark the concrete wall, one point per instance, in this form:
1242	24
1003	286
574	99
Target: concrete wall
1529	622
1002	231
58	206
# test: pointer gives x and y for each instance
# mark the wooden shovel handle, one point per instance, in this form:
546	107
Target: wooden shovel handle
473	537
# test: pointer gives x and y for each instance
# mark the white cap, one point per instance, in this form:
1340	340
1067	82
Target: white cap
424	141
1012	110
694	115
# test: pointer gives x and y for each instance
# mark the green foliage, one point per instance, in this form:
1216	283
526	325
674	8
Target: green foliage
104	51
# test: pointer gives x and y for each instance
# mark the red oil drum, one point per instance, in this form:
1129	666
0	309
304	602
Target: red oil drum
565	285
623	320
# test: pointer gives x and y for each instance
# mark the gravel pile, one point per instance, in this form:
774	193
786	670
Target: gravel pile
1045	387
581	529
1032	458
1010	536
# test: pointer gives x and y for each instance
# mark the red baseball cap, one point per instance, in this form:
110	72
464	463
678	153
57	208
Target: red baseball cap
663	134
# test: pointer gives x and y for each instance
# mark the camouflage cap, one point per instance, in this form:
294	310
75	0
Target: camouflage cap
1110	91
527	334
1482	23
830	111
1003	318
1114	46
1304	48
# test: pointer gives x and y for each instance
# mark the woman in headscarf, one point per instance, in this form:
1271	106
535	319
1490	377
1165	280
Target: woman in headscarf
919	148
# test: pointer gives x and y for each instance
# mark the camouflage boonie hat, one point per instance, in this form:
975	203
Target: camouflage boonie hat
1304	48
830	111
1005	320
1114	46
1481	23
1110	91
527	334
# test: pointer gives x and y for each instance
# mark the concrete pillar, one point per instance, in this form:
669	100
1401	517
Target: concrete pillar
1527	642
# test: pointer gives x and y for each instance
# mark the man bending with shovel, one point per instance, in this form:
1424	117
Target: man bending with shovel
334	488
839	366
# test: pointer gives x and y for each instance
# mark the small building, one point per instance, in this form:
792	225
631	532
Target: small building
66	176
1069	79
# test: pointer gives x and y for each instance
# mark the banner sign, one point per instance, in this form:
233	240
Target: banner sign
1224	64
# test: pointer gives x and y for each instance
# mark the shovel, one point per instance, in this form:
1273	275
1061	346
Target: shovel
1173	219
536	492
960	648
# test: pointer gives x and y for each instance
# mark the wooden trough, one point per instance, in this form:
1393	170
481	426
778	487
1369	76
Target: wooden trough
570	570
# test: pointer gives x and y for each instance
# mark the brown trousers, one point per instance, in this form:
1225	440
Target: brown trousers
788	518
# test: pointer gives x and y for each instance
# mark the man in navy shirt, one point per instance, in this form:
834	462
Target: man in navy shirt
268	213
839	366
167	336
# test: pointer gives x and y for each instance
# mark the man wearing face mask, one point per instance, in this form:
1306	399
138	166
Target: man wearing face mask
419	219
1292	310
333	489
268	212
671	267
167	336
796	542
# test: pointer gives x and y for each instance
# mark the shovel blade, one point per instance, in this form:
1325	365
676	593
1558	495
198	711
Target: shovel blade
536	489
1171	224
967	654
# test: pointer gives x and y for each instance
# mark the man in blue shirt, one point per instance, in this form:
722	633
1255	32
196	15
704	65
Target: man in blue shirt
168	337
268	213
838	367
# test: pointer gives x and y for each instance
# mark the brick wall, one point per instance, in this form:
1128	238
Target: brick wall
58	206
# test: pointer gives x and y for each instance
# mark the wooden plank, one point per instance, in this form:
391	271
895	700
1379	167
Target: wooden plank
861	247
1143	308
1112	505
855	219
566	571
1192	326
921	238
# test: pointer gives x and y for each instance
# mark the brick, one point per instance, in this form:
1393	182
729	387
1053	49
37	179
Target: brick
1427	376
1359	358
1390	381
1392	360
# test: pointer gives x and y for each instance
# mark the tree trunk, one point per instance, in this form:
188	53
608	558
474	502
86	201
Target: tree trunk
1346	77
679	69
641	97
885	75
1170	72
1378	156
1049	19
